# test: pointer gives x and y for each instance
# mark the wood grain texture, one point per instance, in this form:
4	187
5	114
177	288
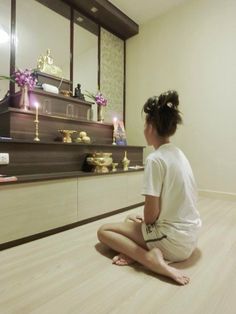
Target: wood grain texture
53	157
70	273
104	194
27	209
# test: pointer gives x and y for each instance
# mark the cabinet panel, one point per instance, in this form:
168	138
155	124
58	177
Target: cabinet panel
101	194
28	209
135	182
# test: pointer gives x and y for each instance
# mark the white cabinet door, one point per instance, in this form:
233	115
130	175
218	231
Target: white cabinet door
102	194
135	182
27	209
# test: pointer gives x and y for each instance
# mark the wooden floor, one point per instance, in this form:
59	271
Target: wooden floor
71	273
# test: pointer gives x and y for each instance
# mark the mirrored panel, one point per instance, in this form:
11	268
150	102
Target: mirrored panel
5	16
39	28
85	65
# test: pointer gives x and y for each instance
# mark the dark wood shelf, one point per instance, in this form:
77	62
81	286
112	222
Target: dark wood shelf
61	96
29	158
51	116
52	77
108	15
63	175
19	124
3	140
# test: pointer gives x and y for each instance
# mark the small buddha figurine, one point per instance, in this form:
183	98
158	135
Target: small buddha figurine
78	93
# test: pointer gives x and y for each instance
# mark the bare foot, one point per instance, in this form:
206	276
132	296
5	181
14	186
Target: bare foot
159	266
122	260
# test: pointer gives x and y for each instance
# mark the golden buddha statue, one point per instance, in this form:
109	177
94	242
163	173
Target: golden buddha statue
45	64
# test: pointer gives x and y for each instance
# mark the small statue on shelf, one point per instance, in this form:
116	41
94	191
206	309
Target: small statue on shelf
46	64
78	93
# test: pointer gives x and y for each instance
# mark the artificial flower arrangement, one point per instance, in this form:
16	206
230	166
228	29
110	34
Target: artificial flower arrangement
98	98
22	78
25	78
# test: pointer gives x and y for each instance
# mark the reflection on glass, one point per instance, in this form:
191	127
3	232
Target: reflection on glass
40	30
70	111
5	14
85	69
47	106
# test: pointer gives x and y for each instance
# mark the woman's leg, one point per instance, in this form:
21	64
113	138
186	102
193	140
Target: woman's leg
122	259
127	238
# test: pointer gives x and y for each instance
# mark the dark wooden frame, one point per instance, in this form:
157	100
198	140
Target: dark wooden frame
12	44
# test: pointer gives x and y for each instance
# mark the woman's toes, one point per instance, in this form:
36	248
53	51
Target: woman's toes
115	259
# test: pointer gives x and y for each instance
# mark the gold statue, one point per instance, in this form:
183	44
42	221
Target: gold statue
45	64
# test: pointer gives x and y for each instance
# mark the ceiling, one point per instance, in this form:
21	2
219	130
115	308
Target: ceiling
140	11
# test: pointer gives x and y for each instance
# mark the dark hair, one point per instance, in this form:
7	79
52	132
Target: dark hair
163	113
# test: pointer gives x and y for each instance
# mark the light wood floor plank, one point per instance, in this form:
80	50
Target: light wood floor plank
71	273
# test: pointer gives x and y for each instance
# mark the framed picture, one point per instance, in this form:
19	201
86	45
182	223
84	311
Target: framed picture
119	136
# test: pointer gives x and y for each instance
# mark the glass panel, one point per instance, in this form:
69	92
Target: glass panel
5	17
85	65
39	28
112	74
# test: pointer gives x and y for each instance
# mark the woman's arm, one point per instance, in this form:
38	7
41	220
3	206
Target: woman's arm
151	209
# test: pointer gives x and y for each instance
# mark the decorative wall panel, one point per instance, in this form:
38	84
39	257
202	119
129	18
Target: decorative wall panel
112	74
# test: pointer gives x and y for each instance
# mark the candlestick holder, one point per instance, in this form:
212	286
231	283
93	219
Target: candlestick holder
125	162
36	139
113	139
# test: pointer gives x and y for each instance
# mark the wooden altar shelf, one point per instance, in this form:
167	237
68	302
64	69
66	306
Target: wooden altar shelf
19	124
47	159
56	104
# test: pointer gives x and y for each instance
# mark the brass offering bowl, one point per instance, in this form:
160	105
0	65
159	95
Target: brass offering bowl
67	135
101	161
66	93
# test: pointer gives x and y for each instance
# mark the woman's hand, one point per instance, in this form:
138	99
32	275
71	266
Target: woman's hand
134	218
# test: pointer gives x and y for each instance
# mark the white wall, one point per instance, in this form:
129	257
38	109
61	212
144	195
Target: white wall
191	49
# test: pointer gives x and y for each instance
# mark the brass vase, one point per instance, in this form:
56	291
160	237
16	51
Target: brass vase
24	98
100	113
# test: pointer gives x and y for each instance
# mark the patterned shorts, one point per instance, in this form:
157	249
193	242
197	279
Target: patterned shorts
172	250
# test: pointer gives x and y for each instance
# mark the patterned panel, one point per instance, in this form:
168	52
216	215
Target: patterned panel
112	74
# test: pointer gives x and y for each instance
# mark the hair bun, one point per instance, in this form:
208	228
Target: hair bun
169	99
151	105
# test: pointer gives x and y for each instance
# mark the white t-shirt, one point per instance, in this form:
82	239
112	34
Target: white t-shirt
168	175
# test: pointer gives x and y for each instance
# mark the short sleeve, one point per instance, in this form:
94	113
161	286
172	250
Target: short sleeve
153	177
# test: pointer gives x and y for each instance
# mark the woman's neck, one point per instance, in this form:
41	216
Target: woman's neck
161	141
